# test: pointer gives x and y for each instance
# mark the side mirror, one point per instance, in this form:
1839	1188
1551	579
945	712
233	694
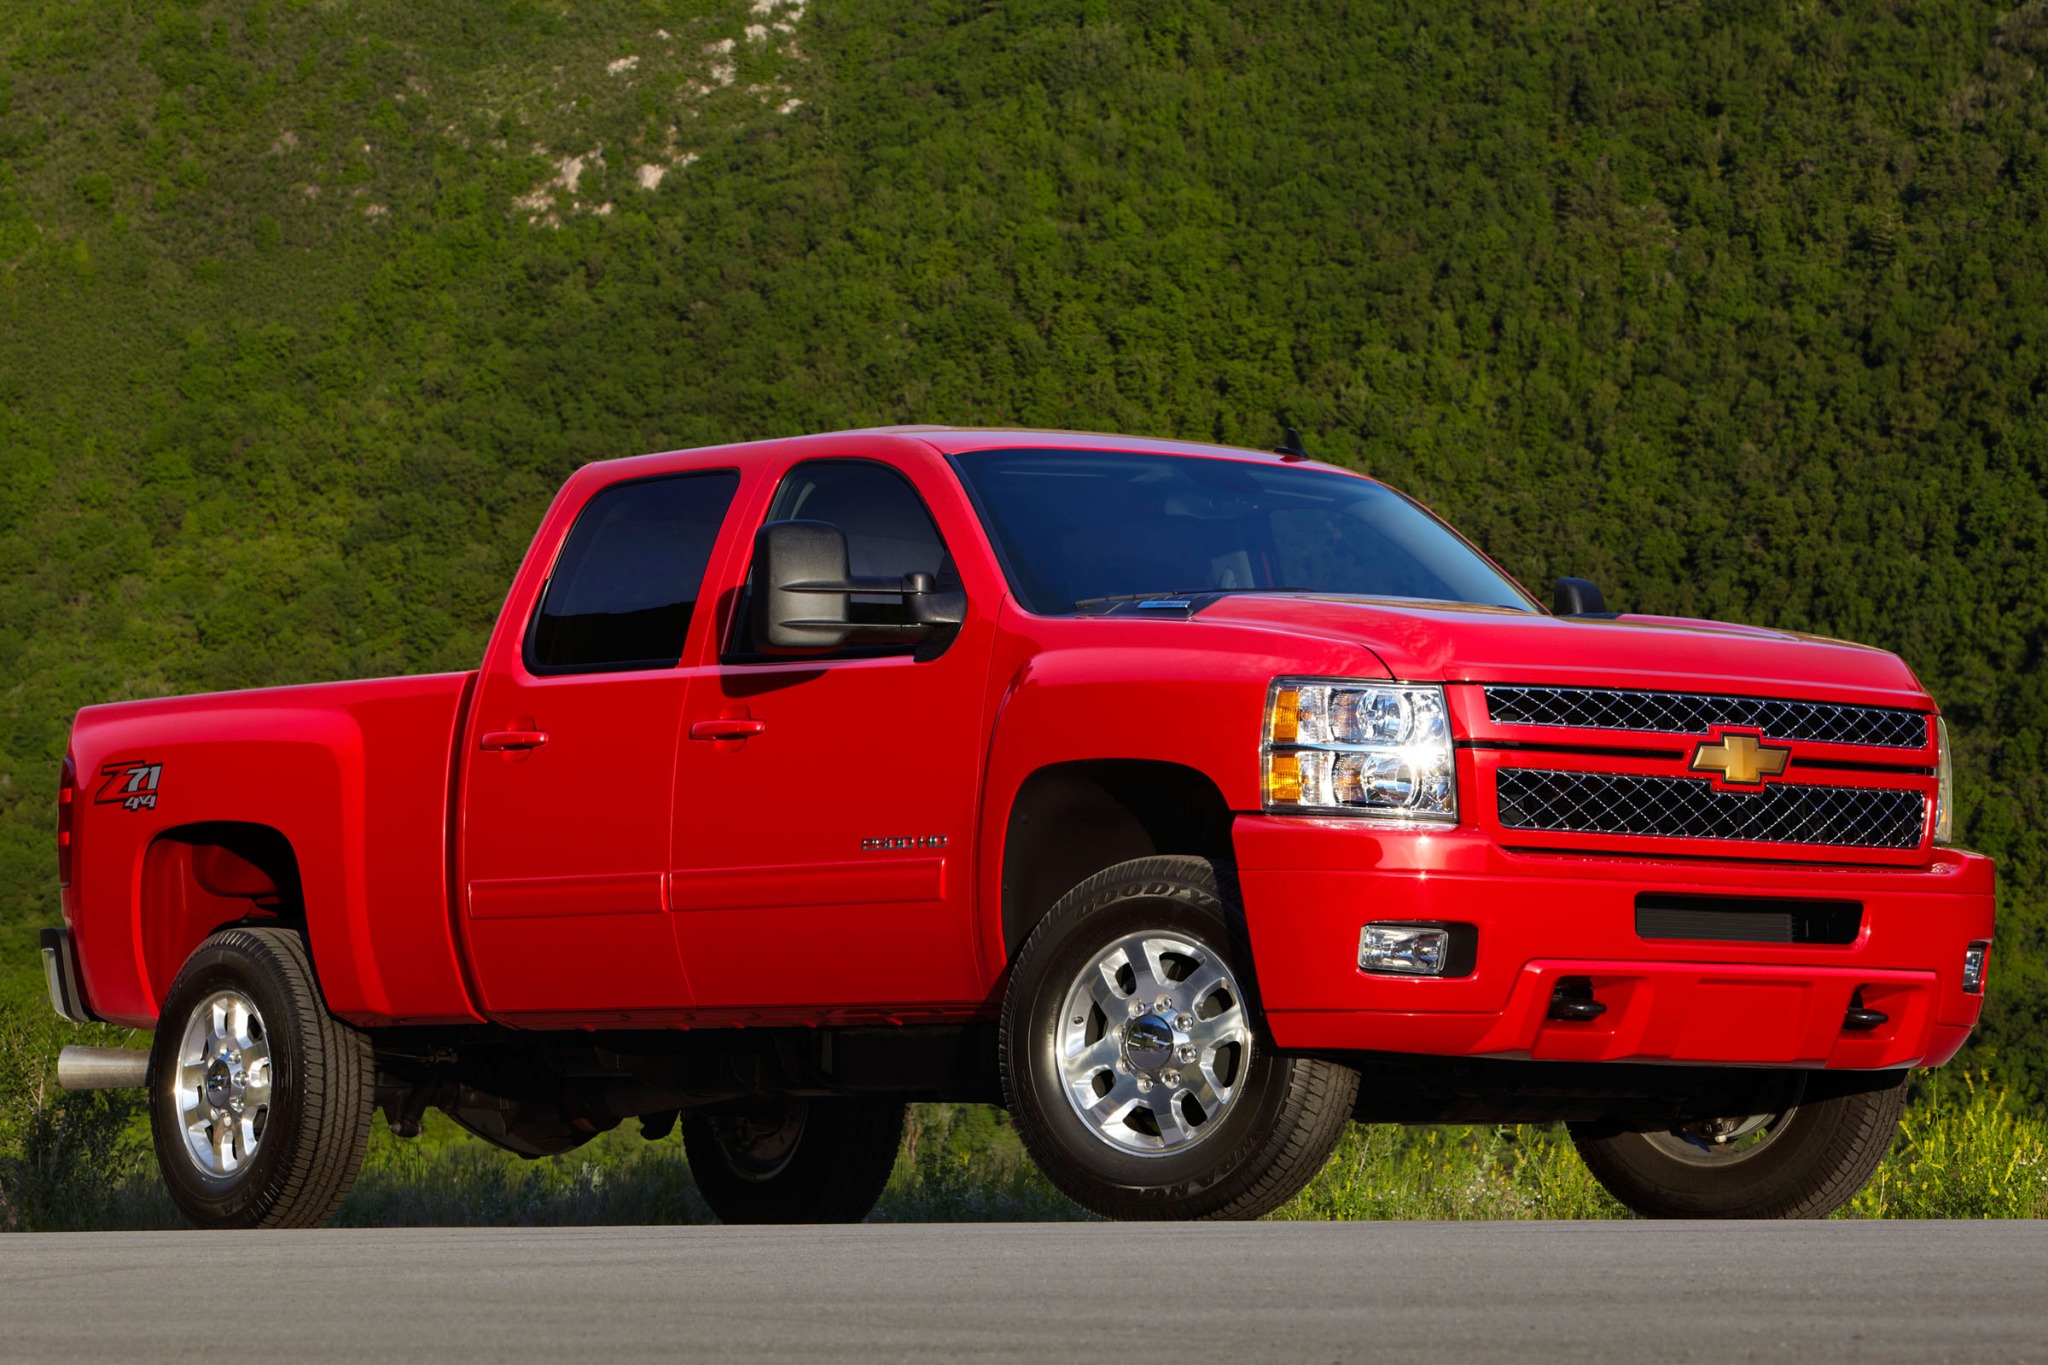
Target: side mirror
1576	597
806	595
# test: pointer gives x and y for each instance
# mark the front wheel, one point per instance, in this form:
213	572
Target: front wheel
1814	1142
260	1100
1135	1062
795	1161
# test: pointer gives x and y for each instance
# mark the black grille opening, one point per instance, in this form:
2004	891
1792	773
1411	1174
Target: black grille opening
1691	808
1691	713
1747	919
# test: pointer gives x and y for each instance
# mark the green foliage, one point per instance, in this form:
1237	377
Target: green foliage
1512	1172
305	310
66	1160
461	1182
1969	1153
963	1163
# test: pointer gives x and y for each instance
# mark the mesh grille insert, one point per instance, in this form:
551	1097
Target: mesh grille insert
1691	713
1690	808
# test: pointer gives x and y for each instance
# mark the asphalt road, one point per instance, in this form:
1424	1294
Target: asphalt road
1530	1293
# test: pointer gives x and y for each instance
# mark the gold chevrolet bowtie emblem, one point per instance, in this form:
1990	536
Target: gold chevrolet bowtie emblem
1741	760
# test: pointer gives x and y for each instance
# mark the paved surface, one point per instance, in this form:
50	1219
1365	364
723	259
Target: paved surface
1530	1293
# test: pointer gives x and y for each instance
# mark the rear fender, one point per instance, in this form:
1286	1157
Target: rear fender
298	772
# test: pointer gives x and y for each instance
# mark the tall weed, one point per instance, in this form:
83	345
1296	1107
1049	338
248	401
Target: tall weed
67	1159
1967	1153
1515	1171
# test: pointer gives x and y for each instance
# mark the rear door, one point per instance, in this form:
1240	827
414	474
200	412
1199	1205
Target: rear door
567	788
825	802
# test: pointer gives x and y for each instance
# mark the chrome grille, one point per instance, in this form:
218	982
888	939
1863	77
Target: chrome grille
1690	808
1694	713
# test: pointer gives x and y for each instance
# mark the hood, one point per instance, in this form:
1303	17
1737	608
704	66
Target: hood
1448	643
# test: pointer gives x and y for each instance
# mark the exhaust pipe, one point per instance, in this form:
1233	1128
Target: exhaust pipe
102	1068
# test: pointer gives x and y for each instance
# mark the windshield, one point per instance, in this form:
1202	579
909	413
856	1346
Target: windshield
1078	525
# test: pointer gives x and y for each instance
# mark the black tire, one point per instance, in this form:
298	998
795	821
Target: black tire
1258	1148
1810	1162
796	1161
312	1123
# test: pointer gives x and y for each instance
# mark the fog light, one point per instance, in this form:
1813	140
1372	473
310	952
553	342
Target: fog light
1405	949
1973	966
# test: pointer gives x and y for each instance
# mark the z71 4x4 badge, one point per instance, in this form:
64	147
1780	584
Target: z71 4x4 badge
130	784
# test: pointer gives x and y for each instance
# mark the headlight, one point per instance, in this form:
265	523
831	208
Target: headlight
1379	749
1944	785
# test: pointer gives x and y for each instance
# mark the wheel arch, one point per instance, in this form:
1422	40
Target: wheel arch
202	877
1071	820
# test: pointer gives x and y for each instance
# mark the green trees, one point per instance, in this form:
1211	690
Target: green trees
304	310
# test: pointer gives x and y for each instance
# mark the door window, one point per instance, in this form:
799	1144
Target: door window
627	580
889	533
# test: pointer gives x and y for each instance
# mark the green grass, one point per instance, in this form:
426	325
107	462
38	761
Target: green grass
1515	1171
1965	1153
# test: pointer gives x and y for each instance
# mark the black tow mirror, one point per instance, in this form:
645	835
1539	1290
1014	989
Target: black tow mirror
1577	597
805	597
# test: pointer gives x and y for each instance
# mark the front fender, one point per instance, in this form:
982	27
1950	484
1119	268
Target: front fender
1168	691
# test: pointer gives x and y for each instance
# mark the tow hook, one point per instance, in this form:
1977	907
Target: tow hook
1573	1000
1859	1019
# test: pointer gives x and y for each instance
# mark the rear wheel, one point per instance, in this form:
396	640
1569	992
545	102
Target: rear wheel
1811	1145
1136	1064
260	1101
799	1161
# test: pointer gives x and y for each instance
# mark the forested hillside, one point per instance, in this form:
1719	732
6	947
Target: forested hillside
1740	310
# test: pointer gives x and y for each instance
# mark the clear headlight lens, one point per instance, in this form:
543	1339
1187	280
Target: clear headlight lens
1945	786
1361	749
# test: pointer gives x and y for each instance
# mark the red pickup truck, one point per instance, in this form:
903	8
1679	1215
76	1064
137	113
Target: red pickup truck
1190	802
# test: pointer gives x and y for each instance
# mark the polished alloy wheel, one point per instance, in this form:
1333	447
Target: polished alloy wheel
1154	1043
222	1085
1713	1142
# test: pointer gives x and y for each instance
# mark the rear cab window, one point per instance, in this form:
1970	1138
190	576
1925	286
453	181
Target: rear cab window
625	586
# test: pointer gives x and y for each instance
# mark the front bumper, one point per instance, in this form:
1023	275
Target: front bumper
1309	886
61	975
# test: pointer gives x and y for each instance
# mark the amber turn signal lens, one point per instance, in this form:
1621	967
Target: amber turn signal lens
1283	779
1284	724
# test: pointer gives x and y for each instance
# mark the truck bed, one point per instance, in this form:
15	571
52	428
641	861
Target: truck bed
357	775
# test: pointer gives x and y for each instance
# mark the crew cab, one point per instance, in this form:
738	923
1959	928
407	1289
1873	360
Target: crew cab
1191	802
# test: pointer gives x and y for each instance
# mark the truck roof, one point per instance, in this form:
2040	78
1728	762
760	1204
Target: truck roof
959	440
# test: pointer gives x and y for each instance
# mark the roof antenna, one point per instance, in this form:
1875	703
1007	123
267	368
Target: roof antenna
1293	448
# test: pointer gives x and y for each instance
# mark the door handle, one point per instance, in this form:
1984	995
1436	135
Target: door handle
731	727
513	739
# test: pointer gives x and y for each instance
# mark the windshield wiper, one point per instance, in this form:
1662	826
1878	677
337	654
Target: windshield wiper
1177	598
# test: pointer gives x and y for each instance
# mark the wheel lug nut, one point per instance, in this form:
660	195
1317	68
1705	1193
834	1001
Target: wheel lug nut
1184	1023
1164	1004
1186	1052
1144	1084
1123	1066
1170	1076
1137	1008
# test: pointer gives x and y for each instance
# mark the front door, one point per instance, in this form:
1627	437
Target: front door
567	787
825	804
